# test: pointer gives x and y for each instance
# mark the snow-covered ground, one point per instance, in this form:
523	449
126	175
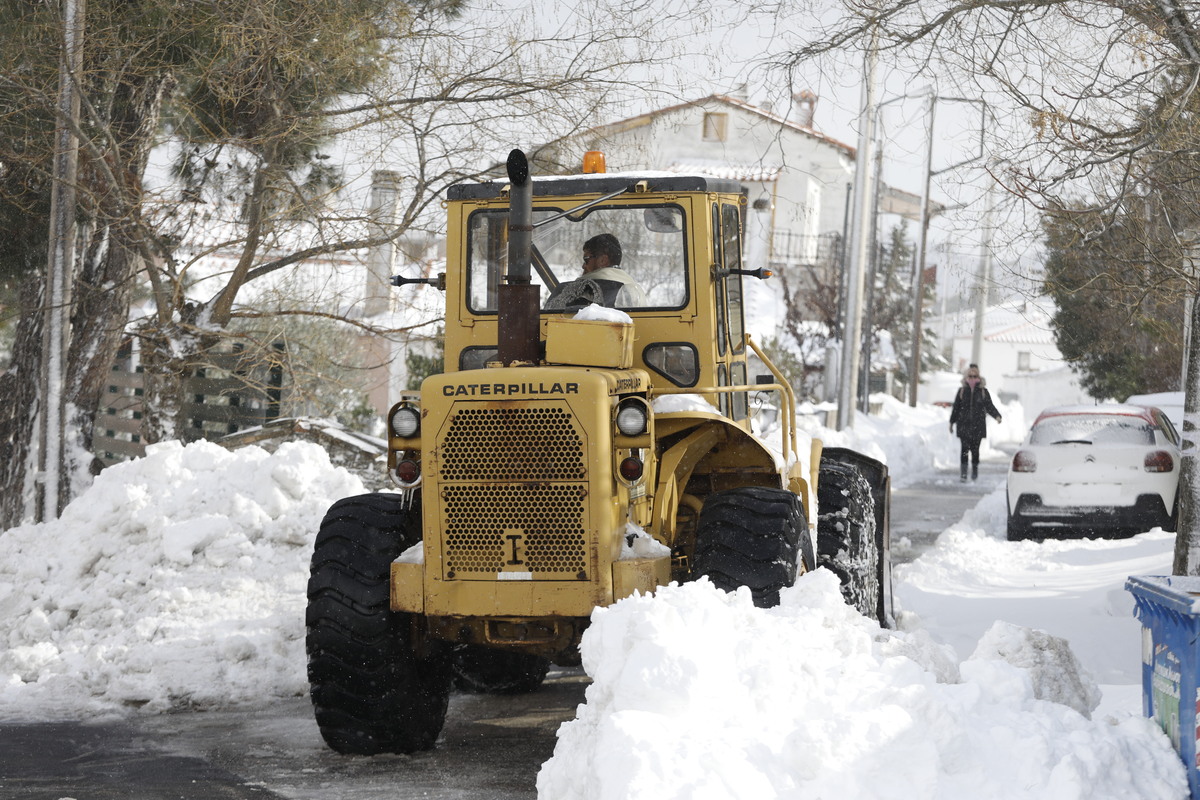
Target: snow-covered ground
178	581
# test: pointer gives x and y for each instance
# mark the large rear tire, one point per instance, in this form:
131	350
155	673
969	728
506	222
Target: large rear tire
490	670
846	542
750	536
377	687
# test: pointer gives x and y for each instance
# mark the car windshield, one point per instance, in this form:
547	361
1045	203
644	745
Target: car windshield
652	245
1092	429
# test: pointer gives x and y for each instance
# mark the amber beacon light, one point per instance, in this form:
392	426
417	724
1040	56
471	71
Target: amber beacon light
593	162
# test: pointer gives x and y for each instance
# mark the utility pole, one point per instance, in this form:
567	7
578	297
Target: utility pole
985	278
56	299
914	370
919	269
872	264
852	328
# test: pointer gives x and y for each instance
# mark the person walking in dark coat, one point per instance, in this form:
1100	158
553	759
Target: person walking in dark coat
972	406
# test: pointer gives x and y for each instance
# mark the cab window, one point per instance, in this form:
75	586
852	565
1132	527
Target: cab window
732	246
720	298
652	242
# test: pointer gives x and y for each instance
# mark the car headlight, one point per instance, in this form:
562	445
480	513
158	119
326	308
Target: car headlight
406	421
631	419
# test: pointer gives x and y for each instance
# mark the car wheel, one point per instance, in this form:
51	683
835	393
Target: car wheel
1017	532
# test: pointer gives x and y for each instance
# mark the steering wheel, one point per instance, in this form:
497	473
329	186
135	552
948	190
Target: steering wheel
577	294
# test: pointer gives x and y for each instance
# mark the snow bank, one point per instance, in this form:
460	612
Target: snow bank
177	580
698	694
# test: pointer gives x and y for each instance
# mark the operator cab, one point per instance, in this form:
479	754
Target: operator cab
680	240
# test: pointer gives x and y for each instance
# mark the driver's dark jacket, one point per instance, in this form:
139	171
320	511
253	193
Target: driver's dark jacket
617	287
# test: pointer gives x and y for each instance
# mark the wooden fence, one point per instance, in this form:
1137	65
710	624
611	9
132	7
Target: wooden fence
236	390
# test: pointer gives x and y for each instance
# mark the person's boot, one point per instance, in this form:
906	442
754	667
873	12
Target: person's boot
974	472
964	473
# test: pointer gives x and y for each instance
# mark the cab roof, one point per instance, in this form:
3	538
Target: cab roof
602	183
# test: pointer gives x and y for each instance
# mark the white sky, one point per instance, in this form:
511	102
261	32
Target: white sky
179	581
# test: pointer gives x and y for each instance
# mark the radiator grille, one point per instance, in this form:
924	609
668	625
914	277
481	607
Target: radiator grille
522	469
550	517
531	443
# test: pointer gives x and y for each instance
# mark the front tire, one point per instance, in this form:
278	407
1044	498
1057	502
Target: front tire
376	685
750	536
846	543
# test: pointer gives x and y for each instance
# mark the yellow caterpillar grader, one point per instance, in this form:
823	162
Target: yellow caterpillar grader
584	443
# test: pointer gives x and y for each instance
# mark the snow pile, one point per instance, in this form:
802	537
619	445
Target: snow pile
1074	589
672	403
599	313
696	693
177	580
1054	672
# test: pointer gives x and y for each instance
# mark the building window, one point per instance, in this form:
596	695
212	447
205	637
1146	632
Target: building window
714	127
1023	362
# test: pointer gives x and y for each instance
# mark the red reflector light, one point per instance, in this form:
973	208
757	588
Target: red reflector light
408	471
1024	461
1159	461
631	469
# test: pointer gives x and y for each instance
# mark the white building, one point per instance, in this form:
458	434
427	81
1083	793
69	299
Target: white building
1018	356
797	180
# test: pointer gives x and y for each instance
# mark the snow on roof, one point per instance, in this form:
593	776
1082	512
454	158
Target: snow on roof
761	173
1020	322
641	119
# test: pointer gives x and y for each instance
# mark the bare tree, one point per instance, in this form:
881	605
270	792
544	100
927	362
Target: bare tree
267	110
1098	96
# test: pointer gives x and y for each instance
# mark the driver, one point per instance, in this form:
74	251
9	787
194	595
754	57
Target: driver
603	281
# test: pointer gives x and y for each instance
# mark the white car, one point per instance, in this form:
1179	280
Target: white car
1103	470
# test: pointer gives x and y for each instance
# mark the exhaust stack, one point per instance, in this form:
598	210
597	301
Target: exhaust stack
518	301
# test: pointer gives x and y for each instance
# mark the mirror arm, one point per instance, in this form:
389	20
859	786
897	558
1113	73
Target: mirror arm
439	281
762	273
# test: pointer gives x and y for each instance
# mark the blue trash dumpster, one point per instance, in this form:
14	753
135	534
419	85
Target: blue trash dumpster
1169	609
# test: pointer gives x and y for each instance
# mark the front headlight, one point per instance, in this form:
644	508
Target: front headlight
406	421
631	419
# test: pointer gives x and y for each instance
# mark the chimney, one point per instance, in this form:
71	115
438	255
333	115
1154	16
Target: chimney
805	103
381	217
